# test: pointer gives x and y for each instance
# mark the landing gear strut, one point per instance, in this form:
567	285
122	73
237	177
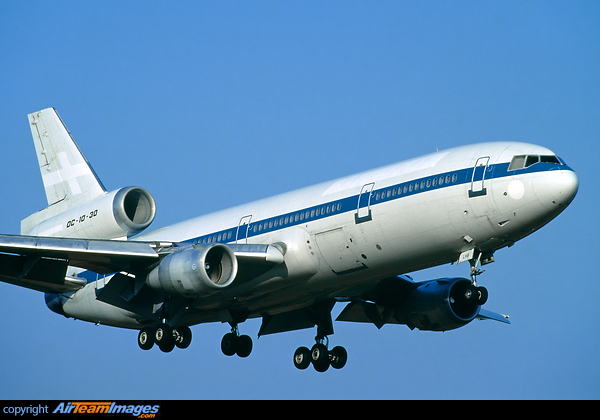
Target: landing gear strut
477	293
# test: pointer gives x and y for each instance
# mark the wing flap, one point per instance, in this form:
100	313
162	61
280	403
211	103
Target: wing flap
41	274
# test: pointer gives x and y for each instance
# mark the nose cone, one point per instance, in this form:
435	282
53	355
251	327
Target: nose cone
558	188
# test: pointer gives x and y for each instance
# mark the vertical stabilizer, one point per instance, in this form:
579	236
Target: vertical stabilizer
68	178
66	173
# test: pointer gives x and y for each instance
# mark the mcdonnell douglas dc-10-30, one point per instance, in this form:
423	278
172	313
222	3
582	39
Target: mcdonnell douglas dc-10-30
287	259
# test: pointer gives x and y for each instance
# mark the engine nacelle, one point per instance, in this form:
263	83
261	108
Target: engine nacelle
195	272
118	214
441	305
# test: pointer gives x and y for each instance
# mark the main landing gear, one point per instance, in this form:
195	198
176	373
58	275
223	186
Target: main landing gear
165	337
234	343
320	357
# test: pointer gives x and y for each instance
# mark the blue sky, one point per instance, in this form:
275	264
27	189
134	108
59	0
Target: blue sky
213	104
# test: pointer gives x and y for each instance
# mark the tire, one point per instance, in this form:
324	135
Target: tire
145	339
482	294
163	337
302	358
184	337
244	346
471	294
339	357
319	357
229	344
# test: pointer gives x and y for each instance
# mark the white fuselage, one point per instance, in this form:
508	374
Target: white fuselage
340	236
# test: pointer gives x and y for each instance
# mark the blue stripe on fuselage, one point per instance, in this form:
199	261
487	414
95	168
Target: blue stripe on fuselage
349	204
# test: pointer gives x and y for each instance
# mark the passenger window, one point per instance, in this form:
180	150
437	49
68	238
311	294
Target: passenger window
454	178
447	179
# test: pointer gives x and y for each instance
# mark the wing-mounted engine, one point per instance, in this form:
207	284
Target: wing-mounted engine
435	305
441	305
119	214
195	272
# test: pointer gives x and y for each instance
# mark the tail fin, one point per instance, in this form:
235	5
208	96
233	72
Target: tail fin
69	179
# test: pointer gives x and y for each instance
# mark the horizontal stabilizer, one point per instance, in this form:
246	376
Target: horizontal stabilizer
484	314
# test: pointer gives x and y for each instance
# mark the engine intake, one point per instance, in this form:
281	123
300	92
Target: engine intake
441	305
118	214
195	272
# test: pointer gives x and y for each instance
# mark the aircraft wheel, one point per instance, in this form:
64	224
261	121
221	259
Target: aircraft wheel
163	337
482	295
243	346
339	356
470	294
319	357
302	358
229	344
145	339
184	337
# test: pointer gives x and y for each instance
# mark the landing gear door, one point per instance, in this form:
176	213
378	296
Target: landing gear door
478	177
241	236
363	210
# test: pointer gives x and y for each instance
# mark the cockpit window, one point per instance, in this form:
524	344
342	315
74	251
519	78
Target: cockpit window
517	162
550	159
531	159
525	161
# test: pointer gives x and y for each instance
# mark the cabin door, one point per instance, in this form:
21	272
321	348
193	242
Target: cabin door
363	210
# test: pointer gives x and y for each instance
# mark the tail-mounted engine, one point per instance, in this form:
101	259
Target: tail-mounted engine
195	272
443	304
119	214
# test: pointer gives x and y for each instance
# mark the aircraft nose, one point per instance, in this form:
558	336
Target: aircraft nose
559	188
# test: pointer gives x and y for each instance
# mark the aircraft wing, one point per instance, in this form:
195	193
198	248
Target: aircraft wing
40	263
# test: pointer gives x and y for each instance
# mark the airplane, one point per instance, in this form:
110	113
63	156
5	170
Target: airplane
287	259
